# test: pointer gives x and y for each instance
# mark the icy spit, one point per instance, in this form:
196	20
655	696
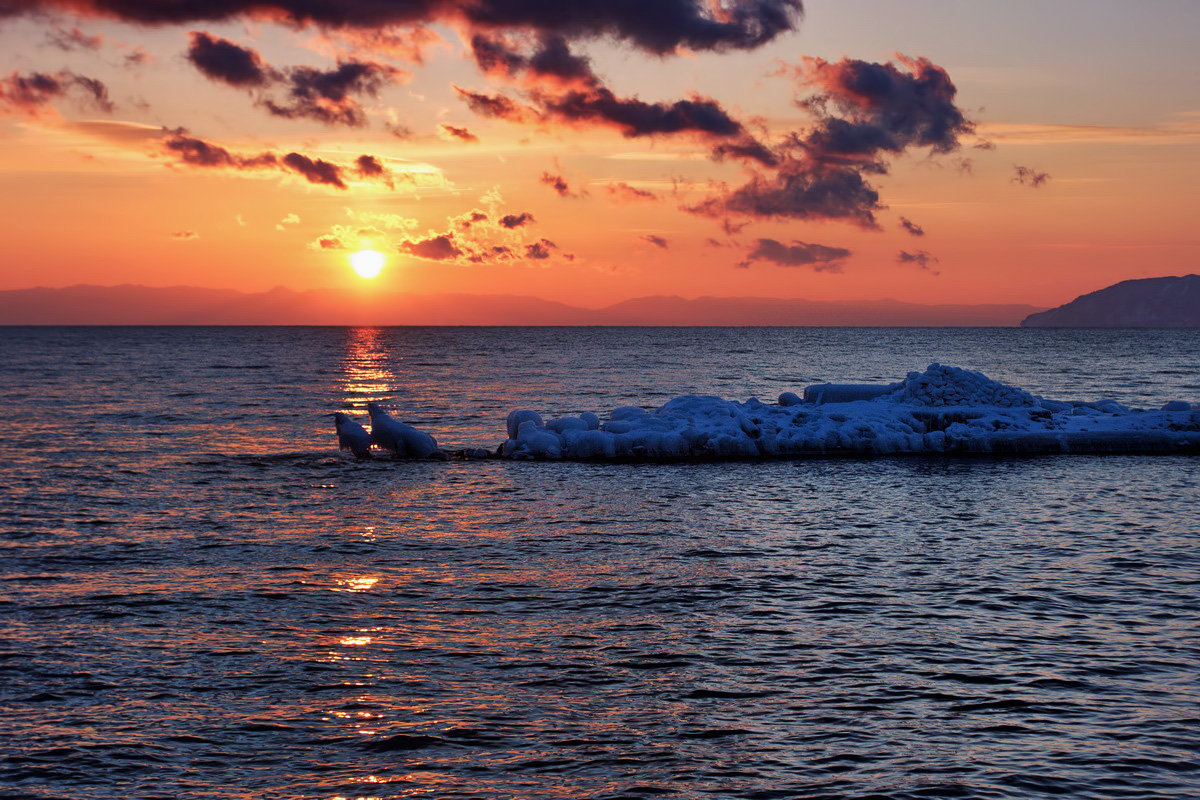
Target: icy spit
944	409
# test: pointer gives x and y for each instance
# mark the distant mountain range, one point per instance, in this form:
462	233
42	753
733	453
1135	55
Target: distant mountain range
1172	302
186	305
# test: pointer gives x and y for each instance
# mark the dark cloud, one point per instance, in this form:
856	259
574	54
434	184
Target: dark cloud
398	130
912	227
1028	176
551	62
73	39
562	88
315	170
330	96
28	93
663	28
540	250
799	190
516	220
636	118
453	132
624	192
657	241
184	236
222	60
499	106
558	183
798	254
137	57
369	166
865	113
920	259
199	153
746	148
884	107
435	248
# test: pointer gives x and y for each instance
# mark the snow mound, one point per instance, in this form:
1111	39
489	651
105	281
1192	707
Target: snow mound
953	386
941	410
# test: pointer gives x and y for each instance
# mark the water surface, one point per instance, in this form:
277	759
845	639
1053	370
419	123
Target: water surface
201	598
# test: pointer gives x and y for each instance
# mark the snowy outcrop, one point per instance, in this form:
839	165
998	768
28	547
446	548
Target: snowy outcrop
352	436
403	440
940	410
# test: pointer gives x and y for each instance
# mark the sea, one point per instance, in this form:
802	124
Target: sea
201	597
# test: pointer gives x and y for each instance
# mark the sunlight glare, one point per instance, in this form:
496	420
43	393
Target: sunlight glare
367	263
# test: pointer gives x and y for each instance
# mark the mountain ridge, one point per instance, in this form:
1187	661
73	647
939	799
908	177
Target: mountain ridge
130	304
1166	302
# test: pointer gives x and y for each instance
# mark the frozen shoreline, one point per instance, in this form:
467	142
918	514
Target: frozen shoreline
941	410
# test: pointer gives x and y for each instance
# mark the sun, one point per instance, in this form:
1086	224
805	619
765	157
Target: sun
367	263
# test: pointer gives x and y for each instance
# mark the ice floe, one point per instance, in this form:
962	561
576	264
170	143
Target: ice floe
943	409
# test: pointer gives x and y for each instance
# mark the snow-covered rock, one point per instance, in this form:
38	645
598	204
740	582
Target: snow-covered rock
942	409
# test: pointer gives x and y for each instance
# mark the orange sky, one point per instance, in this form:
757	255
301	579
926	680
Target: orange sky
1098	96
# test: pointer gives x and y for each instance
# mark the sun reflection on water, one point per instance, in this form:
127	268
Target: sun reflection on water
366	373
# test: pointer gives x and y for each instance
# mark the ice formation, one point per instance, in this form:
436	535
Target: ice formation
352	436
940	410
403	440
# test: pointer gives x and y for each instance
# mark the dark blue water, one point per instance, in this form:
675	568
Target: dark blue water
200	598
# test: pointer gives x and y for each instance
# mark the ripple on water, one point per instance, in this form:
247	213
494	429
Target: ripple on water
241	612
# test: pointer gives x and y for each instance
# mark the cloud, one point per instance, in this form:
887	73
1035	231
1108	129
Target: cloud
865	113
398	130
440	247
185	236
798	254
290	219
657	241
29	93
137	57
920	259
498	106
329	96
912	227
562	88
516	220
799	190
222	60
369	166
315	170
623	192
370	230
559	184
73	39
669	27
475	237
540	250
1028	176
454	133
199	153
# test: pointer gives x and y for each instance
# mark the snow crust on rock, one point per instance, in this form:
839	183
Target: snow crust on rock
403	440
953	386
942	409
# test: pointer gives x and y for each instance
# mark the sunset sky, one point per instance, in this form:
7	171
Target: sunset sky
593	151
